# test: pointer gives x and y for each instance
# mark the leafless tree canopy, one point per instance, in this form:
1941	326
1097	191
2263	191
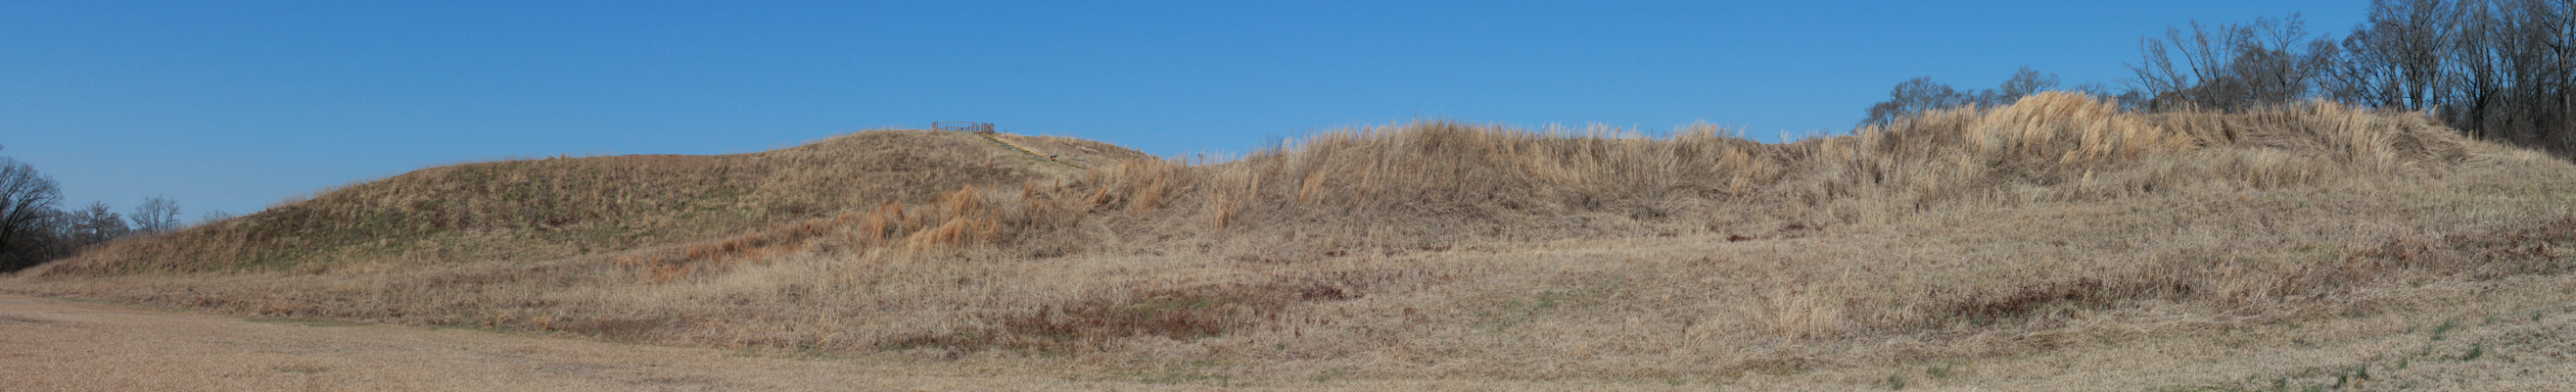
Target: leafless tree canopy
2497	69
1923	94
2229	67
96	224
27	200
214	216
156	215
2502	70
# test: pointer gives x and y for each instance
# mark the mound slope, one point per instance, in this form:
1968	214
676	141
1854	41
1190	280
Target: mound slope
2057	223
1439	184
539	209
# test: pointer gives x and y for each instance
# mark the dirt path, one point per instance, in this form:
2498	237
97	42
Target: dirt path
58	345
55	345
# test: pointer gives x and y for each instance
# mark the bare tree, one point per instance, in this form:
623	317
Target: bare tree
1914	96
95	225
2024	82
2502	70
2514	85
2229	66
1922	94
156	214
27	199
2398	56
214	216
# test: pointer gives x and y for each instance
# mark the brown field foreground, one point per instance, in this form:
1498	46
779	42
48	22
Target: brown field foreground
2055	243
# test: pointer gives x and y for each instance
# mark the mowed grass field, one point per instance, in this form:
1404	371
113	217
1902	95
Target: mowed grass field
2056	243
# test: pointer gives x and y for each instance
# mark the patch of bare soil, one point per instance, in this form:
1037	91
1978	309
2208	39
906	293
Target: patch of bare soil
54	345
2507	334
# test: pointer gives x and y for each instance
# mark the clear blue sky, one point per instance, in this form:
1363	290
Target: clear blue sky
234	105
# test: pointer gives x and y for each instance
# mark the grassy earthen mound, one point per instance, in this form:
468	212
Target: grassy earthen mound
540	209
2057	223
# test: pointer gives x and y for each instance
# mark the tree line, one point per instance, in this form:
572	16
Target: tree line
2500	70
33	229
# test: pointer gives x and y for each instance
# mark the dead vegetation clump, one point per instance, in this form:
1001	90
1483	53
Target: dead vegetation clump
1439	249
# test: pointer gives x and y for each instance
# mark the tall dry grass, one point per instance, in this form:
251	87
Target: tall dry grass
1434	184
561	207
1441	248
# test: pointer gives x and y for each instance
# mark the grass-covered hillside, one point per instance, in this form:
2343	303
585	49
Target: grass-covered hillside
548	208
2000	247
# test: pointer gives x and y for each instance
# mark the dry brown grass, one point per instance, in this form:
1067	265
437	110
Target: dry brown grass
561	207
1443	249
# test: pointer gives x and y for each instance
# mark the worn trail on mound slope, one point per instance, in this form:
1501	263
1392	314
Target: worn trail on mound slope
1025	150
